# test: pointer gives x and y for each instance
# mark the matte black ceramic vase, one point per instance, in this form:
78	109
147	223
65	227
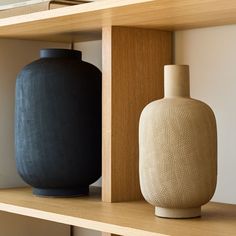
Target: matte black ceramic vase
58	123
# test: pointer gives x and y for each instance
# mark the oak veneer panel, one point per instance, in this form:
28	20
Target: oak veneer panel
17	225
126	218
85	21
133	64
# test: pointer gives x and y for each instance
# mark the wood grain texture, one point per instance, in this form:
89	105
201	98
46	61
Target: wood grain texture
85	21
17	225
127	218
36	7
133	63
106	113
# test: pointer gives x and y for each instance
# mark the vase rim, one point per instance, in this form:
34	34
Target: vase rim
176	65
59	52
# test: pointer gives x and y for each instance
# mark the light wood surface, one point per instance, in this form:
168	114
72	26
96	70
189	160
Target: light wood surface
106	115
133	63
17	225
108	234
30	8
87	20
127	218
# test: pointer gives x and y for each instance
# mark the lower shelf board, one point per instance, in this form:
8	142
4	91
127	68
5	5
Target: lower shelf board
126	218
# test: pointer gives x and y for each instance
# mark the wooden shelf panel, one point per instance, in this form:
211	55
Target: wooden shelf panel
85	21
127	218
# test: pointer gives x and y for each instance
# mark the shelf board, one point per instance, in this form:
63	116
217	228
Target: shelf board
85	21
127	218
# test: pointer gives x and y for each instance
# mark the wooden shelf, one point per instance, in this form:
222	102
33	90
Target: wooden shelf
85	21
120	62
127	218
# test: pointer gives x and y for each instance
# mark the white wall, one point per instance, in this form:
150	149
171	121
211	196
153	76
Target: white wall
211	54
91	52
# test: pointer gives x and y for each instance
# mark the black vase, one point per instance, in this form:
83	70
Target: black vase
58	123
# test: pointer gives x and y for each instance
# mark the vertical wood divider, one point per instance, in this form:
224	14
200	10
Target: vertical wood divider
133	61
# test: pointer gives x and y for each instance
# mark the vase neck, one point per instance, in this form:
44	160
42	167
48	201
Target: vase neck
176	82
60	53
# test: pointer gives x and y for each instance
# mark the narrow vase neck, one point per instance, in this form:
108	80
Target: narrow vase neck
176	82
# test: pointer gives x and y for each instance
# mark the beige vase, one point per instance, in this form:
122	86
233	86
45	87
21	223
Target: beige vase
178	149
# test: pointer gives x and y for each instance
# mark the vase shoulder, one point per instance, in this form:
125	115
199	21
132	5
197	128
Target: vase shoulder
177	102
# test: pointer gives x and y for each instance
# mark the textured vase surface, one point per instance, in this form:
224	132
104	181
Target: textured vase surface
58	123
178	149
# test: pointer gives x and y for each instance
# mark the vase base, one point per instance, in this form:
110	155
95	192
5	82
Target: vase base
61	192
178	213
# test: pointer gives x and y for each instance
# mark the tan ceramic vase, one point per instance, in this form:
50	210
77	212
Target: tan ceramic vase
178	149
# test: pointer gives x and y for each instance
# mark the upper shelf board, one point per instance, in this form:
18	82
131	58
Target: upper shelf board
127	218
85	21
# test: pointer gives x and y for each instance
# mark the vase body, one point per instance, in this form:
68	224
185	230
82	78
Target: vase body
58	123
178	150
